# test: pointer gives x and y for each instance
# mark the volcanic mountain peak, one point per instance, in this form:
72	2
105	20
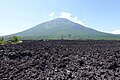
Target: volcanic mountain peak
61	20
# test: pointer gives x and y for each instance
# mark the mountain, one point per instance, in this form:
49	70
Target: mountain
61	28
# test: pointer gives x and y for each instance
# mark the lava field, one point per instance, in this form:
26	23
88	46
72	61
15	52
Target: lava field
60	60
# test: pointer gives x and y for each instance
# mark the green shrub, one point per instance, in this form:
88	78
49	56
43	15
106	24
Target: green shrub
15	39
3	41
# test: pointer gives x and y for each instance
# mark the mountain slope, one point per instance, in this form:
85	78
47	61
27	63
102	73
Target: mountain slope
61	28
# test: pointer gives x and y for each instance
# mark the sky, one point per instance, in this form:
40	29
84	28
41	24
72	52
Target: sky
19	15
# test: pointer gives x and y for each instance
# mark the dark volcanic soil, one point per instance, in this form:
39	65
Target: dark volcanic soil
60	60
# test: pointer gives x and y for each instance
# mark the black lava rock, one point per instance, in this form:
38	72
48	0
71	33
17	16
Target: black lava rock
61	60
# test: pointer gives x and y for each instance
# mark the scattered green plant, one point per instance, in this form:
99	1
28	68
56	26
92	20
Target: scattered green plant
12	39
3	41
15	39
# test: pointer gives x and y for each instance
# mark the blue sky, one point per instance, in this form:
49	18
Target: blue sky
19	15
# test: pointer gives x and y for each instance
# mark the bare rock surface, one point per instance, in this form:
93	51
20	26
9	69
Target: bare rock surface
60	60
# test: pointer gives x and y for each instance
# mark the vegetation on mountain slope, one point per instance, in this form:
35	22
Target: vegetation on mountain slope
64	29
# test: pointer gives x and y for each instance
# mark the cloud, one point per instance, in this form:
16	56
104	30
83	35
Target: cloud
70	17
116	32
52	14
67	16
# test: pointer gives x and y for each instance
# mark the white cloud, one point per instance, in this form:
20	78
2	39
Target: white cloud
70	17
116	32
52	14
67	16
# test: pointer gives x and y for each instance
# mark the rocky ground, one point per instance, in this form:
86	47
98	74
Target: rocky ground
60	60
